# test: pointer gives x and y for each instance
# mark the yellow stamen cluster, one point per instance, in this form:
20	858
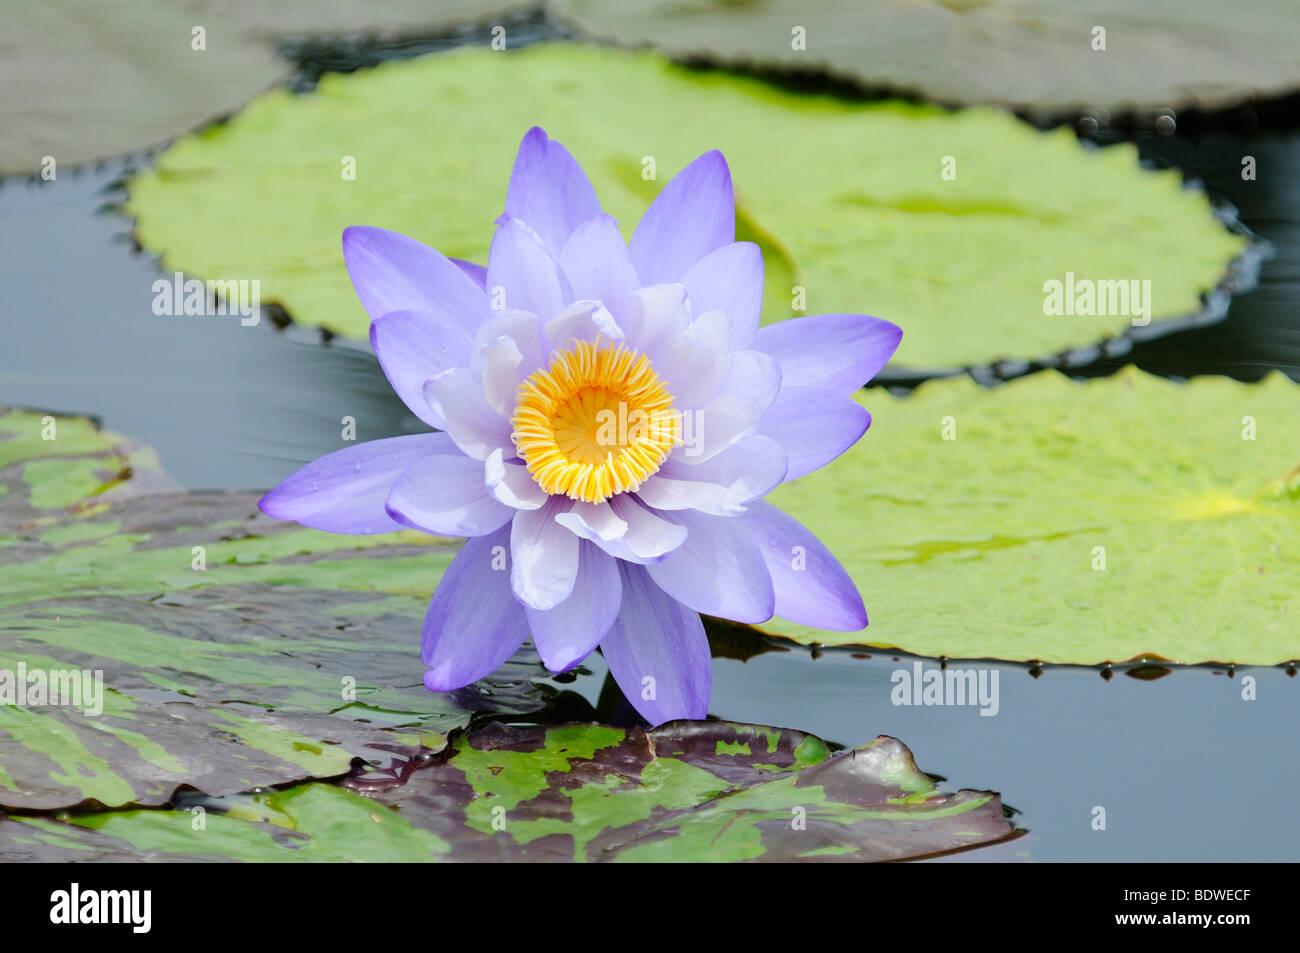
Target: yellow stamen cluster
596	422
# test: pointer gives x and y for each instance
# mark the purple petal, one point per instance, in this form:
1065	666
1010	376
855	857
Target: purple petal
656	318
658	653
811	586
693	366
718	570
501	361
474	624
475	273
813	426
748	469
543	556
344	491
624	528
672	494
708	430
475	427
413	346
838	352
649	538
693	215
394	273
566	635
729	279
596	262
524	270
549	190
523	328
754	375
584	320
596	522
510	483
446	494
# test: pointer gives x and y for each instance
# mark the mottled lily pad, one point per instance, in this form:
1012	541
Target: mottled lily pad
1070	522
236	651
1157	53
848	200
698	791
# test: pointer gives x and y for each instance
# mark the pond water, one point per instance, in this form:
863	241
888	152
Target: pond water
1176	761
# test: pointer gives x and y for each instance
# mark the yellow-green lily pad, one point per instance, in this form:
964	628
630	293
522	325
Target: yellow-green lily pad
1059	521
948	224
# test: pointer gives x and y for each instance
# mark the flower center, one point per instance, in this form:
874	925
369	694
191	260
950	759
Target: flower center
596	422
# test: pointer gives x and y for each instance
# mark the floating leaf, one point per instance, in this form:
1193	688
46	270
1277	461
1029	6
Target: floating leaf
686	791
1155	54
83	81
296	18
847	199
310	822
236	651
72	85
1070	522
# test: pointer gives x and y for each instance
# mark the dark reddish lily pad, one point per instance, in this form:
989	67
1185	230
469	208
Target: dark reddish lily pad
686	791
696	791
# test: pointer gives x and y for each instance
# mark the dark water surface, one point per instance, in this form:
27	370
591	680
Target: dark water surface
226	406
1183	766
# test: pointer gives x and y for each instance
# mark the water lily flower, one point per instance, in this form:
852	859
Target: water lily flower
608	417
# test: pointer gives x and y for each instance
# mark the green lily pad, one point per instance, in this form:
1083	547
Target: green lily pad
236	651
848	200
686	791
83	81
1070	522
1156	54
